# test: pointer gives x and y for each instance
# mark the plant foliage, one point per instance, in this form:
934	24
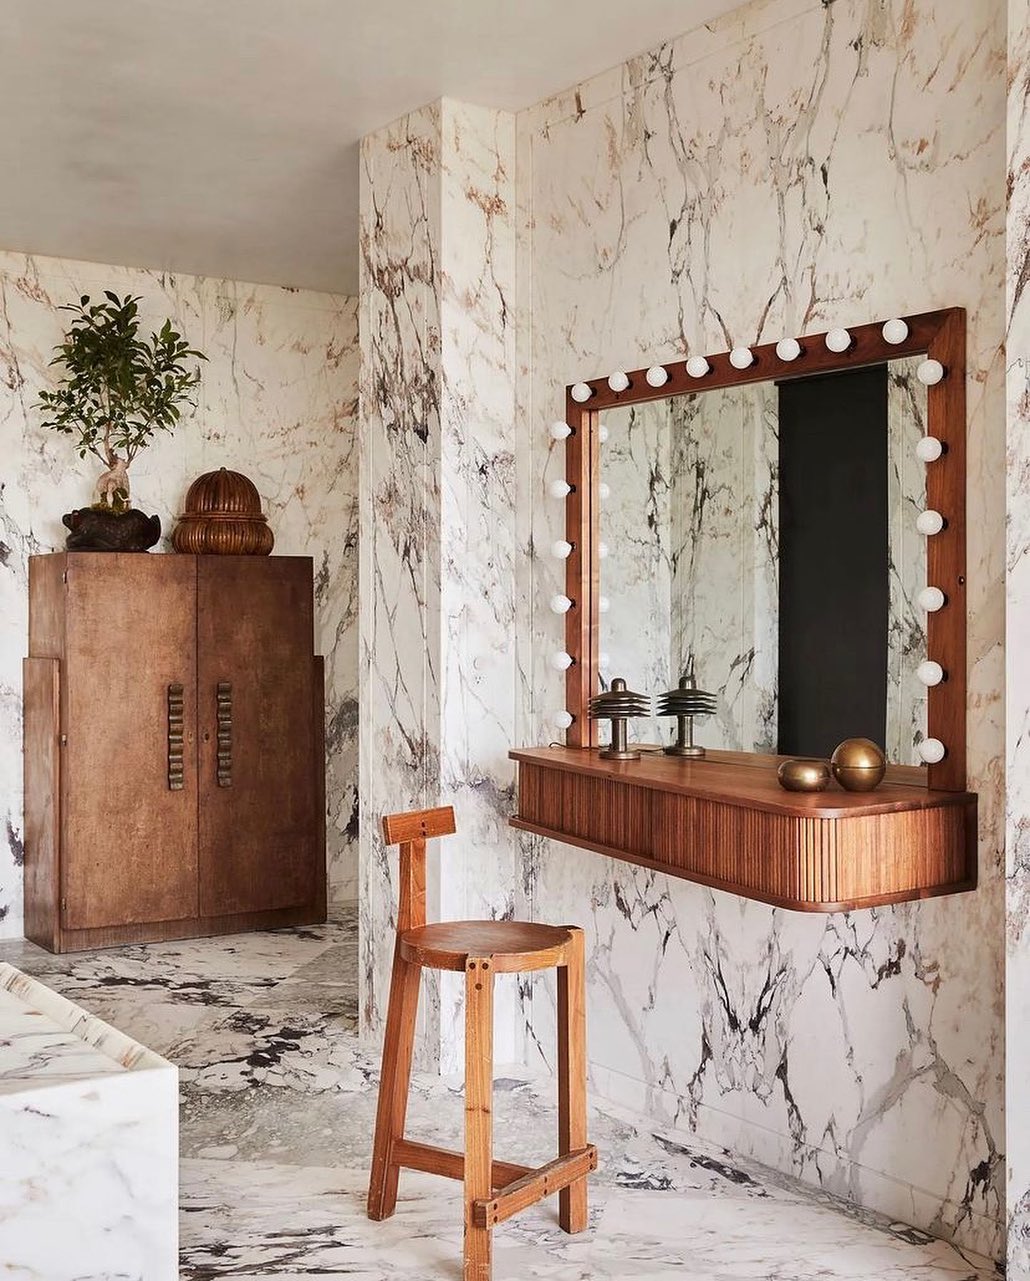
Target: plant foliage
117	389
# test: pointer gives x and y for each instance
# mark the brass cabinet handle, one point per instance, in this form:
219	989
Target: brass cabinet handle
175	738
224	722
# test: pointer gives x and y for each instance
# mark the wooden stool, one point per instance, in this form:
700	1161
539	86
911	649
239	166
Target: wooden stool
494	1190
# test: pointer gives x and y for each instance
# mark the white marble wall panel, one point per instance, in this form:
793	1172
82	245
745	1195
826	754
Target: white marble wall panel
793	166
725	540
277	401
88	1141
636	525
906	498
1017	669
438	561
399	501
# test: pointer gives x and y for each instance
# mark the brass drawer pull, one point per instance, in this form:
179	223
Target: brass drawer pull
175	738
224	719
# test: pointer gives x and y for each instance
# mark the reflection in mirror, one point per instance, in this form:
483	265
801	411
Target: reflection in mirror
768	533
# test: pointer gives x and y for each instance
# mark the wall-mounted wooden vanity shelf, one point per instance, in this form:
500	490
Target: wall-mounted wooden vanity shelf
729	824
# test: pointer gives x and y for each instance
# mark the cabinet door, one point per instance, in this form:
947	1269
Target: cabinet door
260	821
128	788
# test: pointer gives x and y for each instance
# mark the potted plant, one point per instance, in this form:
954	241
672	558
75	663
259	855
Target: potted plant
115	392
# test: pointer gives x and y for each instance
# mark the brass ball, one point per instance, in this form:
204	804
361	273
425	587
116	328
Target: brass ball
804	776
858	764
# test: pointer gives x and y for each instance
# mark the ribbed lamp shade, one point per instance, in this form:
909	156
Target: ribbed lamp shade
222	516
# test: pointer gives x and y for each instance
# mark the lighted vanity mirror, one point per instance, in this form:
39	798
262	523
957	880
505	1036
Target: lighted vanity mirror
766	533
792	517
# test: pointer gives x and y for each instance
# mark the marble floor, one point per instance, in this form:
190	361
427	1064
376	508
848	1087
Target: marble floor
277	1105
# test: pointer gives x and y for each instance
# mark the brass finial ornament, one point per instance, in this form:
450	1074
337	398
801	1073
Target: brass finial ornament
858	764
685	702
222	516
618	704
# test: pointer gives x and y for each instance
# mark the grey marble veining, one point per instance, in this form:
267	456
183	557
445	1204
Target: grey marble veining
438	553
278	1100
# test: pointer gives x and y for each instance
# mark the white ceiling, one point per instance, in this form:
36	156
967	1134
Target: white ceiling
220	136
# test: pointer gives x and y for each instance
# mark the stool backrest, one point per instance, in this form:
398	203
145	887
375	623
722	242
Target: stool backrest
411	831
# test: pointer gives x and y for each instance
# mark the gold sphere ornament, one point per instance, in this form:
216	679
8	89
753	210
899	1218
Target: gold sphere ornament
858	764
804	776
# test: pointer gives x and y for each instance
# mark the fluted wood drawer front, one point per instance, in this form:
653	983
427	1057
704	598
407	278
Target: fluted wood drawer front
843	857
755	850
611	813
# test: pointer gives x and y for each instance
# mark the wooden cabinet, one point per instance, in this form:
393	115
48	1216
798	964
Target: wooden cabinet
174	748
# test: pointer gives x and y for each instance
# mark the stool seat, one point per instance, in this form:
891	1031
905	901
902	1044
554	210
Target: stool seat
510	945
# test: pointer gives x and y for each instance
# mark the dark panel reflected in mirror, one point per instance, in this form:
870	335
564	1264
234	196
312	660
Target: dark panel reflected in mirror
834	563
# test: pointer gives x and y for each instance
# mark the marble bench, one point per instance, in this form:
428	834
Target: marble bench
88	1145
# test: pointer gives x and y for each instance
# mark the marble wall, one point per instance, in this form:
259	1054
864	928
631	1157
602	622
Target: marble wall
725	583
278	401
438	675
1017	669
792	166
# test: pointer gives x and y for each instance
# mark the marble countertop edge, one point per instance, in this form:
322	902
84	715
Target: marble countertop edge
120	1049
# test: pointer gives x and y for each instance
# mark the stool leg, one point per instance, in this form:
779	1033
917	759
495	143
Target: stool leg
393	1085
572	1079
479	1083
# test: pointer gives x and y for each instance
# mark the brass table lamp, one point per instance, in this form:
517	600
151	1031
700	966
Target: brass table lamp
618	704
685	702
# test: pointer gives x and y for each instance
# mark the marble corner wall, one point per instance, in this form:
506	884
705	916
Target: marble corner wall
1017	669
438	675
793	166
399	505
278	400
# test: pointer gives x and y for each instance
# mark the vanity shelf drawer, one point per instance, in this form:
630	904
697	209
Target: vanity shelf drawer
731	827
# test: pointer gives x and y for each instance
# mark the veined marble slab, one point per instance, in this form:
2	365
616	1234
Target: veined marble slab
89	1144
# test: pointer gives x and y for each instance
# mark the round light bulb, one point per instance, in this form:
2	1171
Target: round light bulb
932	751
742	358
560	604
602	550
602	433
562	719
788	349
932	599
581	392
697	366
618	381
929	522
604	491
561	662
930	372
930	673
603	604
838	340
560	431
657	376
929	449
604	660
895	331
559	489
561	550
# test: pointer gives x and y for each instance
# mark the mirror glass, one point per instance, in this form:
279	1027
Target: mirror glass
766	535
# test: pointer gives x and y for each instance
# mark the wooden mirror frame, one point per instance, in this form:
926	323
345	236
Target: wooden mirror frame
939	335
